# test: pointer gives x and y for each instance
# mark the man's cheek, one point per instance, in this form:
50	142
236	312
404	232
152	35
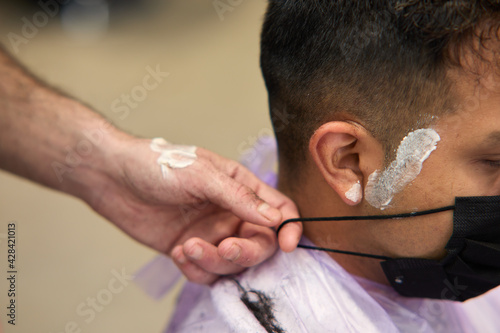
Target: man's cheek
414	149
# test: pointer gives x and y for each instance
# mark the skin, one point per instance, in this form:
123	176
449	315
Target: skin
465	163
213	217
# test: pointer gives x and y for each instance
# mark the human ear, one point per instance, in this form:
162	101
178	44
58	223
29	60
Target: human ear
345	153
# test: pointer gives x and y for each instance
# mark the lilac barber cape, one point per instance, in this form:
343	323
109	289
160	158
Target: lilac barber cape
312	293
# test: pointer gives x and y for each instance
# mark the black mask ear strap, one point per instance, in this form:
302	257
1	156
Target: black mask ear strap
358	218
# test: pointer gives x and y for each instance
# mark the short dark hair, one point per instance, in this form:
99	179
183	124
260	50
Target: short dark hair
382	63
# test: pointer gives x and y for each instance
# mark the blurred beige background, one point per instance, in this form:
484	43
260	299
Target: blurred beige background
214	98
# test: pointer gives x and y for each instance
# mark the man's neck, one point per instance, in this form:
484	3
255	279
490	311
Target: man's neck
334	235
355	236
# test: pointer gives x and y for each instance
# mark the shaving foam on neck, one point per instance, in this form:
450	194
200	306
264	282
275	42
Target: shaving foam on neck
412	152
172	156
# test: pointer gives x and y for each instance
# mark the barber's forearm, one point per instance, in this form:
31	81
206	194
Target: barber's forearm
50	138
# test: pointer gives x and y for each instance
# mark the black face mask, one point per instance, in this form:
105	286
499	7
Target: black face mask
471	266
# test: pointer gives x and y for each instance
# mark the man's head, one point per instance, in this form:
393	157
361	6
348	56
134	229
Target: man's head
380	63
349	80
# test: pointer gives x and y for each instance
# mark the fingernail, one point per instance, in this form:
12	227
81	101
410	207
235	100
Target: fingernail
233	253
179	256
195	252
268	212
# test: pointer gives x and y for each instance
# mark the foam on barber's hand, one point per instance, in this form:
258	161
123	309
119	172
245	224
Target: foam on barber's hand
172	156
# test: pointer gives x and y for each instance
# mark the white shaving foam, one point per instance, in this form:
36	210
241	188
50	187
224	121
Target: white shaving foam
172	156
354	193
412	152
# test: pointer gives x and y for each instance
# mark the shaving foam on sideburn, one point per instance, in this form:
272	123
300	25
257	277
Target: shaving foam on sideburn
412	152
354	193
172	156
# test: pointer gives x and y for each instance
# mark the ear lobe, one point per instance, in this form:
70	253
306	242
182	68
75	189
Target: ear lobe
334	148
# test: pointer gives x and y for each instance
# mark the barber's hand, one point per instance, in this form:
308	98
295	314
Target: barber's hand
212	217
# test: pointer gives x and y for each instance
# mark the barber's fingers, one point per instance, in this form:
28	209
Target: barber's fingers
204	269
192	271
235	188
241	200
209	261
254	245
289	236
291	233
232	255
